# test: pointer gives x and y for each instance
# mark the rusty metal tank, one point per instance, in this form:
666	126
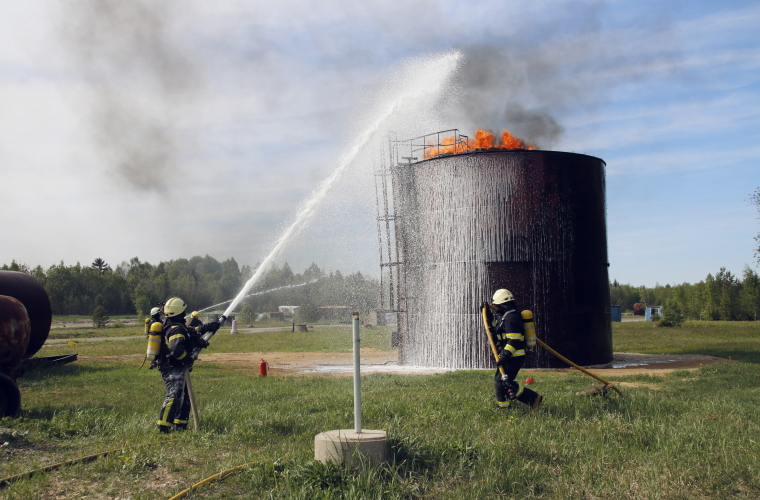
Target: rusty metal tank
533	222
25	319
14	332
33	296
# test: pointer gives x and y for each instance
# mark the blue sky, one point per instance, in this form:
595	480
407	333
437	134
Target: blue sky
169	129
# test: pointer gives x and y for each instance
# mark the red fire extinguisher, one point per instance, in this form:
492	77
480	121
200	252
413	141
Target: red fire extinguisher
263	368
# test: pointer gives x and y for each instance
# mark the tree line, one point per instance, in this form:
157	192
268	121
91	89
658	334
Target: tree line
724	297
135	287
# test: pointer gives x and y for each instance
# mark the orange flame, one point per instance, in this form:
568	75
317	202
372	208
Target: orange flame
483	140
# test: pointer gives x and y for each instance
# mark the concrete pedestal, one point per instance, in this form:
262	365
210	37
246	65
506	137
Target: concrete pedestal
347	447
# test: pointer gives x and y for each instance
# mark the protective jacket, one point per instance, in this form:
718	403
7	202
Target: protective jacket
195	323
508	333
180	340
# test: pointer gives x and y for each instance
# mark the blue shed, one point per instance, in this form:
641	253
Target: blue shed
616	314
656	309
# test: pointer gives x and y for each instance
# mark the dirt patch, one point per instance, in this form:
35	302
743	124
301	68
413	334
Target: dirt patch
653	364
319	363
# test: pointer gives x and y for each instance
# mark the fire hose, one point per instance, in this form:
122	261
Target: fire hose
219	477
89	458
543	344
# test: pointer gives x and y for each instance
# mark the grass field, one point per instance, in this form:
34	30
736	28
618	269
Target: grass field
127	330
687	434
739	340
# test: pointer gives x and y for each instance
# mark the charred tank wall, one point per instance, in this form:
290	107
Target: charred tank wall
533	222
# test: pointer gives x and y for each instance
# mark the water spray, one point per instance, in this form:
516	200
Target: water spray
261	293
441	70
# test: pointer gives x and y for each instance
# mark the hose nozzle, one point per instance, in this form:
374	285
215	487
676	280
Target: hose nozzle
222	319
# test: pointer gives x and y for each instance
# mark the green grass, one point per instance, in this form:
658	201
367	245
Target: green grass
738	340
73	317
75	333
688	434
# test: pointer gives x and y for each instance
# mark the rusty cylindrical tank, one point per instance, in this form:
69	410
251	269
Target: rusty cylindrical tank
533	222
14	332
30	292
14	337
25	319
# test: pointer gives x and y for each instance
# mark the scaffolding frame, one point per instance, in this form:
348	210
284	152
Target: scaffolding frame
401	154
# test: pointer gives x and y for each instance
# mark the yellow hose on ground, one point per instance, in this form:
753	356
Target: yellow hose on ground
543	344
89	458
218	477
600	379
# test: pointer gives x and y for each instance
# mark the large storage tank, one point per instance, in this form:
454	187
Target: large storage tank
533	222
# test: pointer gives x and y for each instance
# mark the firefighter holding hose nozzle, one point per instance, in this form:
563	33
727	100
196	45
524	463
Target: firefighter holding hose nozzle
195	319
174	357
507	334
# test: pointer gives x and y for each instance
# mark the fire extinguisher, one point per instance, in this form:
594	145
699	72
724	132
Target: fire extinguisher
263	368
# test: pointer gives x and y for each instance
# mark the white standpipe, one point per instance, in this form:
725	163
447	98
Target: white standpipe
357	378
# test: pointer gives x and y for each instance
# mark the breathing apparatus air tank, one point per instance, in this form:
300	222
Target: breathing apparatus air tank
530	328
154	341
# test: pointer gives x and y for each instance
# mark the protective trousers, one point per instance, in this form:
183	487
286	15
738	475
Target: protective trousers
524	395
176	408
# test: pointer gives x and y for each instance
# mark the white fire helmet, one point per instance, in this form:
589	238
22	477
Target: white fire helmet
174	306
503	295
155	311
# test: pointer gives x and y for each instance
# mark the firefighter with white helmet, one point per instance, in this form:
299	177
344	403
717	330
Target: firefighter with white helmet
509	335
155	315
174	357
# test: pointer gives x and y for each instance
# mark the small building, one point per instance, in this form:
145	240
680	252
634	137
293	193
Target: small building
616	314
654	310
288	311
276	315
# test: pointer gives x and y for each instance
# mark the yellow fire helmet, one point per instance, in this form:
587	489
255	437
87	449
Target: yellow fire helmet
501	296
174	306
194	314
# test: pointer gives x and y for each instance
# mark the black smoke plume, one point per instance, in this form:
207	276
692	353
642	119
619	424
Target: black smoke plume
139	78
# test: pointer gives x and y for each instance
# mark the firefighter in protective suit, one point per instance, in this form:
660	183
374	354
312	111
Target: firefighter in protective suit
195	319
509	336
176	355
155	315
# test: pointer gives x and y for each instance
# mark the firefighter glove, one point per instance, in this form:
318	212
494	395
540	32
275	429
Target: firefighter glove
211	326
201	342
